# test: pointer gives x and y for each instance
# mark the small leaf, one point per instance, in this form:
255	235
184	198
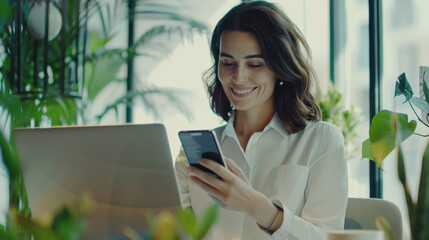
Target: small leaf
382	224
33	228
205	223
366	150
166	227
401	167
420	103
187	220
69	223
382	134
96	42
426	91
403	87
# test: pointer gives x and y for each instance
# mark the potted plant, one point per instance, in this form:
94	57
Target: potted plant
387	131
18	112
346	120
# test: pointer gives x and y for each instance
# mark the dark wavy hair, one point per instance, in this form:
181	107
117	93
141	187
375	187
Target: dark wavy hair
286	53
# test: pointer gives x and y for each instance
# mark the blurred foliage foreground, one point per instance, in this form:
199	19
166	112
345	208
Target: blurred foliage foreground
69	224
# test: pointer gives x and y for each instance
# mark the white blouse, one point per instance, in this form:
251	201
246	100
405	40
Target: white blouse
305	173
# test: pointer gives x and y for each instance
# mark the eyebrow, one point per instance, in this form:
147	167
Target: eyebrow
247	57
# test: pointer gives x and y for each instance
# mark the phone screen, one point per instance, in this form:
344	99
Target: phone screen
200	144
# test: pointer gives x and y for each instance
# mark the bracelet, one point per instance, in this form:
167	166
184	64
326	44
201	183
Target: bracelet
267	229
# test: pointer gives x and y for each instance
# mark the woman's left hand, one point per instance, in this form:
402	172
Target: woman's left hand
232	190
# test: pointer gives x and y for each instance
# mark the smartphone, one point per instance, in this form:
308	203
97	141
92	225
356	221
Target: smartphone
199	144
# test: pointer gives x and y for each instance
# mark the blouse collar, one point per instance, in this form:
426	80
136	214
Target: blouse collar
275	124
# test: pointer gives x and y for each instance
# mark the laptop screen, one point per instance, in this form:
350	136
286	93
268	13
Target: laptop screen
127	169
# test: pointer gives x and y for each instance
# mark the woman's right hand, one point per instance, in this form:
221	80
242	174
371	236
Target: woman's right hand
233	191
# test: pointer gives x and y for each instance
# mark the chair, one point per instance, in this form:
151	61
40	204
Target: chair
361	214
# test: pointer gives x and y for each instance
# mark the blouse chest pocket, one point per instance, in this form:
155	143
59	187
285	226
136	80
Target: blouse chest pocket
287	183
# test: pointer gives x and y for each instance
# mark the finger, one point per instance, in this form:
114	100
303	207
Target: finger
212	191
206	177
233	167
217	168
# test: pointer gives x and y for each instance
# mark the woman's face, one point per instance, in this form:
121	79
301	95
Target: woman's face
246	79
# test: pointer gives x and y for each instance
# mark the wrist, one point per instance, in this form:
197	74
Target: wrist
276	222
262	210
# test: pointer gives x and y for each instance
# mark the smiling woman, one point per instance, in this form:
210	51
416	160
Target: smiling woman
246	79
276	38
285	169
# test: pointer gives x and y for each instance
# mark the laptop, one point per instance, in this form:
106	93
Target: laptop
127	170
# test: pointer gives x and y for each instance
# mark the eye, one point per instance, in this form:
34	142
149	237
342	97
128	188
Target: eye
227	64
254	65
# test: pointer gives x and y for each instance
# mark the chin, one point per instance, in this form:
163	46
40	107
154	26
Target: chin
240	107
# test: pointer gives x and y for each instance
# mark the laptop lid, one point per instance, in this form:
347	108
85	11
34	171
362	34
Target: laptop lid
127	169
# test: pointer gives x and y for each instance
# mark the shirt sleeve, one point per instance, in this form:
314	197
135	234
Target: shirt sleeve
326	192
182	177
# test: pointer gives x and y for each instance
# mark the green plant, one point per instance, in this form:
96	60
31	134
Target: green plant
67	224
5	12
103	62
182	225
387	131
347	120
102	65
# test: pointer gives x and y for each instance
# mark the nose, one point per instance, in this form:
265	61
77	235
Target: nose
240	75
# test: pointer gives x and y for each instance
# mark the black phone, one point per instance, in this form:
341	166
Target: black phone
199	144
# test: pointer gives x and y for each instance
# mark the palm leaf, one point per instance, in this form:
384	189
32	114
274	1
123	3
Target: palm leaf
148	99
403	178
5	13
100	73
144	41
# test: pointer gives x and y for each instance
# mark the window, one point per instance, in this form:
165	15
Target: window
351	76
405	49
182	72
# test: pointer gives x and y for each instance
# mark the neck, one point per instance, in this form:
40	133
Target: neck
248	122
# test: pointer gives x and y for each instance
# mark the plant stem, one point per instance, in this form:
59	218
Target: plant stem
421	135
417	115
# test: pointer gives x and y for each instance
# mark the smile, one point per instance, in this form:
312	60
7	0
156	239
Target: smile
243	91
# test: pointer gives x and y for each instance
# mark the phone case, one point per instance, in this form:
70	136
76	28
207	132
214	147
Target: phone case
199	144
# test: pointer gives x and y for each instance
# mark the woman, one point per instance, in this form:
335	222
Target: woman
286	175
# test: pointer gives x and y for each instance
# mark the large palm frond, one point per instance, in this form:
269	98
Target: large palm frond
152	99
155	43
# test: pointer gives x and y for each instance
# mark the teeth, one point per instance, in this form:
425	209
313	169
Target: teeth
242	91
